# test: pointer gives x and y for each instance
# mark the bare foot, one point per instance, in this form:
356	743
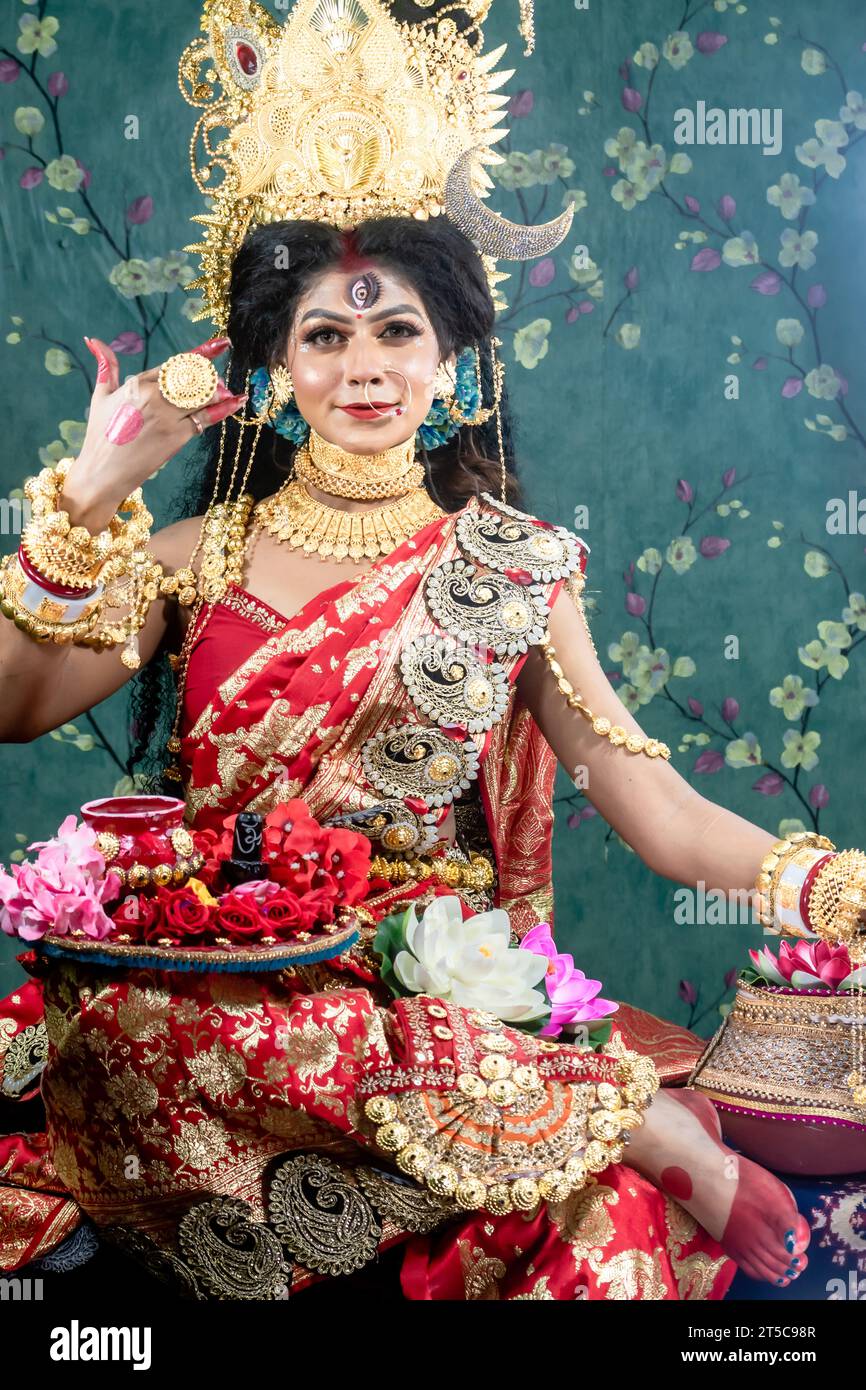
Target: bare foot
751	1213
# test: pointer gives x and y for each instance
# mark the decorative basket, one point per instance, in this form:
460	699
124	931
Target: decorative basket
777	1072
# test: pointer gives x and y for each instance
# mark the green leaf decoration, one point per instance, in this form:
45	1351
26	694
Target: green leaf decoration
390	939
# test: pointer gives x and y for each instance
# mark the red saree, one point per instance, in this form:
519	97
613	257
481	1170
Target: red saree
163	1089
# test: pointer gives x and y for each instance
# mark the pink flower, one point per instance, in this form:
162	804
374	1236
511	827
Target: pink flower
259	889
809	964
63	891
71	851
571	994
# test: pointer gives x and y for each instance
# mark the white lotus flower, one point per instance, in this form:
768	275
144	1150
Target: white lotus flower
470	962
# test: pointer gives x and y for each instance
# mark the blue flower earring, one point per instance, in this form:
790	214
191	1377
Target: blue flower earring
449	411
272	396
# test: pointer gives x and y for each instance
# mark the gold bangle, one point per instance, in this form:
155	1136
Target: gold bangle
68	554
614	733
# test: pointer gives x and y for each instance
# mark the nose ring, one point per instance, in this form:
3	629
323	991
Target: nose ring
398	410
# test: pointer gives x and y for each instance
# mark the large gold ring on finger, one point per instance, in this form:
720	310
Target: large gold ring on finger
188	380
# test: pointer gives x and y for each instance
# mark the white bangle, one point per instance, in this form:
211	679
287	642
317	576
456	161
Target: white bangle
787	918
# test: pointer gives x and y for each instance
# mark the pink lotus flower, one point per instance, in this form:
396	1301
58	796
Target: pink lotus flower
808	965
571	994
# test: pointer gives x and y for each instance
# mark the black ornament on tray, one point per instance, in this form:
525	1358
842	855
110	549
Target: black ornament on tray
246	858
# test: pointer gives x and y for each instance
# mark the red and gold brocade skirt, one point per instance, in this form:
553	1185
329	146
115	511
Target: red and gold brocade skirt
176	1104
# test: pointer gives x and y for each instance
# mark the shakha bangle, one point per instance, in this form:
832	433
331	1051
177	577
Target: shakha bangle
50	585
772	864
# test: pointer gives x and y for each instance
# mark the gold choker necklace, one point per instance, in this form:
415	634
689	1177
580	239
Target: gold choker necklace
293	515
363	477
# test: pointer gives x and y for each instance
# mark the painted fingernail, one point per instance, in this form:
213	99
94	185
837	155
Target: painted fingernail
220	409
780	1281
125	424
796	1260
103	368
213	347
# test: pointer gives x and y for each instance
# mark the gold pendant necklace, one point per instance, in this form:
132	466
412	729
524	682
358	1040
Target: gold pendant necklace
293	515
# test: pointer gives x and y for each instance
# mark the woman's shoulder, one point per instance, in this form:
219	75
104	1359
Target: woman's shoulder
173	544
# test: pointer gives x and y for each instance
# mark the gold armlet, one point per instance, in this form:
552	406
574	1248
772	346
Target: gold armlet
774	862
614	733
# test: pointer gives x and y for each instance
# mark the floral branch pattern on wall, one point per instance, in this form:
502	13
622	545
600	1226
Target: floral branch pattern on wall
719	239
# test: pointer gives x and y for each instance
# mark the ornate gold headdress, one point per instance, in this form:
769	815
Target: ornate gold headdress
343	113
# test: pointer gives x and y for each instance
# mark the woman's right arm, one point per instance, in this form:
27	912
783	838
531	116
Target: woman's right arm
46	684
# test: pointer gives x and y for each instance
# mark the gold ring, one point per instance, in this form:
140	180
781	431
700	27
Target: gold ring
198	424
187	380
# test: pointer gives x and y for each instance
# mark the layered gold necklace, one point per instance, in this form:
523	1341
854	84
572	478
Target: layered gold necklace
293	515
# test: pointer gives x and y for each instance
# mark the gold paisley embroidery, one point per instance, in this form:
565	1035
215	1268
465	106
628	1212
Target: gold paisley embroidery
290	640
583	1220
481	1272
695	1274
681	1225
361	657
631	1274
540	1292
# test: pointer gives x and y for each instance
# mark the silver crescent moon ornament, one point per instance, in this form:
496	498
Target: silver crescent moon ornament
492	234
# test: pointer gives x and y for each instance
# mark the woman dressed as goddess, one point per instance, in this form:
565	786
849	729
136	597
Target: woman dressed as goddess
388	638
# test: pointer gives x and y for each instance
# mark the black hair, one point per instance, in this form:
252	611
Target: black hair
273	269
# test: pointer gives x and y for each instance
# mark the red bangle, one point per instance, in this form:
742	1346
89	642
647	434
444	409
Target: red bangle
61	590
806	890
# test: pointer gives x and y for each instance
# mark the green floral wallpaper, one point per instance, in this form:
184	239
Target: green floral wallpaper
687	371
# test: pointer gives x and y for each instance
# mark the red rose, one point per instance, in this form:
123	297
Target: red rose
318	906
237	918
136	914
206	842
284	914
185	917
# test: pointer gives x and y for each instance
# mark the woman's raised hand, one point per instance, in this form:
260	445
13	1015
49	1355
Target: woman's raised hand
132	430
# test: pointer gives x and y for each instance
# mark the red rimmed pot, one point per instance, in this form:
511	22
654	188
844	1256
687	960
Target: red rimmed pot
139	829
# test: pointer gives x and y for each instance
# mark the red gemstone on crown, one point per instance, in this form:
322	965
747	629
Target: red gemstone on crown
248	59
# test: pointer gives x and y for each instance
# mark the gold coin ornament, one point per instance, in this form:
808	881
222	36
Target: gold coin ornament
187	380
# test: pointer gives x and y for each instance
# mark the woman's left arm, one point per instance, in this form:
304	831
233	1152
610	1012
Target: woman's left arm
678	833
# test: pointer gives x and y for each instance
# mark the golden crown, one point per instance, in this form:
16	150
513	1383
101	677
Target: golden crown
343	113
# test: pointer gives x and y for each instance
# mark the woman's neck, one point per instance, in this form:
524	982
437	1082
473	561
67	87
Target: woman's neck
356	482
